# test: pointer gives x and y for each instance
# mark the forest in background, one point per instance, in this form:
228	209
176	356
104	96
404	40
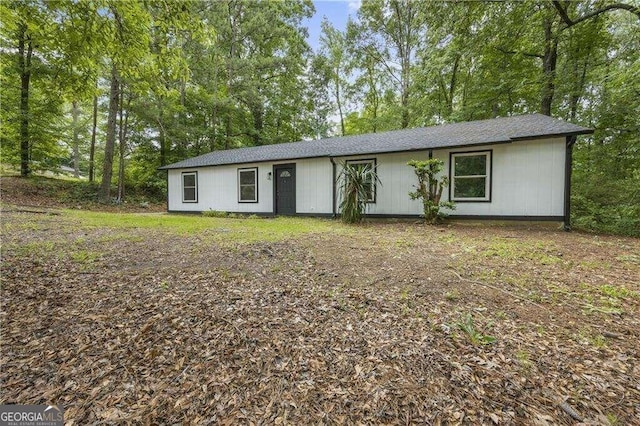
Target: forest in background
115	89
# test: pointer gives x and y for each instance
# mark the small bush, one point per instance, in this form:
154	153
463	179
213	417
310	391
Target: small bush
429	188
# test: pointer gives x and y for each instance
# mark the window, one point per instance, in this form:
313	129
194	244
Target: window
470	176
190	187
371	184
248	185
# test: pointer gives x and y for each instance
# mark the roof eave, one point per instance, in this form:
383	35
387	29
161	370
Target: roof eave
583	131
555	135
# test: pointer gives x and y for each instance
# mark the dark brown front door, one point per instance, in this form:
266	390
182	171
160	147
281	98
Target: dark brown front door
285	189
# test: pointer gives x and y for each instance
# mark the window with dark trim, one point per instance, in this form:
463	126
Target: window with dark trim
248	185
371	184
470	176
190	187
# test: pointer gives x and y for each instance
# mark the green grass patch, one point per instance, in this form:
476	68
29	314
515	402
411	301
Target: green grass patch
594	264
632	259
616	292
217	229
606	306
40	248
515	249
85	257
452	295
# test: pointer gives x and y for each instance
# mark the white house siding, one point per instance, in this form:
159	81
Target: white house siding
218	188
527	179
314	186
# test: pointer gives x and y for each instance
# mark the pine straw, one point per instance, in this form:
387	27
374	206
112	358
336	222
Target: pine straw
174	329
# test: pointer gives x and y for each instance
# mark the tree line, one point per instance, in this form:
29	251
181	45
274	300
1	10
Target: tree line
116	89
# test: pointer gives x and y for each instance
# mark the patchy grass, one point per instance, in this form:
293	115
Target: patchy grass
540	252
229	230
133	318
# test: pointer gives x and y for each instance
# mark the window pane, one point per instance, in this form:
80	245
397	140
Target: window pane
362	166
247	177
369	190
189	180
471	165
189	194
469	188
248	193
369	193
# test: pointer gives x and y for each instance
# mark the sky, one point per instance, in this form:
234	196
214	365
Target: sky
336	11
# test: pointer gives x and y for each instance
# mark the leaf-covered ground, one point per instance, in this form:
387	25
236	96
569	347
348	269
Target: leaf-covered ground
166	319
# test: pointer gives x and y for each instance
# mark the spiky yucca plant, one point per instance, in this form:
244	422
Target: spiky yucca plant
355	190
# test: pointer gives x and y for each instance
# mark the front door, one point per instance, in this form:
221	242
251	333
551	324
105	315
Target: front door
285	189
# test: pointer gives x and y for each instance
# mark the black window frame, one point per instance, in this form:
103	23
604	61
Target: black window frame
243	170
374	184
195	187
489	176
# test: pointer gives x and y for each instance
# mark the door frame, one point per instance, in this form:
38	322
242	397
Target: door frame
275	186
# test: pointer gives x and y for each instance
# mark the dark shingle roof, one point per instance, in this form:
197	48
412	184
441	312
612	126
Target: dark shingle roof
497	130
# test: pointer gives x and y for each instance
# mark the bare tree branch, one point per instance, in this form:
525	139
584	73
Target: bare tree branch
563	13
569	22
515	52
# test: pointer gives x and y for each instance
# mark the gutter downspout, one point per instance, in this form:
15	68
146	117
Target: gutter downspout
430	157
568	166
333	200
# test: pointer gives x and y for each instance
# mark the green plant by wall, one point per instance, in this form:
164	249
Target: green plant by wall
429	188
358	182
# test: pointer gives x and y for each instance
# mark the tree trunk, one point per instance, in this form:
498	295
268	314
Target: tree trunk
227	138
549	61
162	136
92	149
24	65
257	111
578	88
339	102
107	168
124	124
120	143
373	90
75	112
233	27
452	86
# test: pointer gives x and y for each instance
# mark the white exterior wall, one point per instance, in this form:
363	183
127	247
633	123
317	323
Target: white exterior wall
314	186
218	188
527	180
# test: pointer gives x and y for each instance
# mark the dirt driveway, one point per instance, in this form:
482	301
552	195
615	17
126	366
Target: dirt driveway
306	321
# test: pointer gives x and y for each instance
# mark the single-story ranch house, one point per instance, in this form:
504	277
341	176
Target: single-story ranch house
504	168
